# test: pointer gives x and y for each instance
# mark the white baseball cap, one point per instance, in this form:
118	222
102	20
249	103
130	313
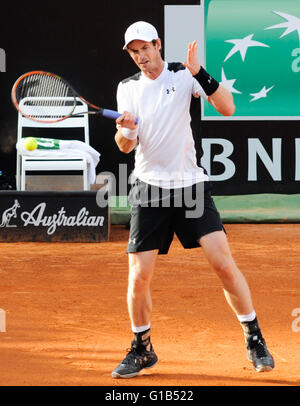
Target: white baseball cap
142	31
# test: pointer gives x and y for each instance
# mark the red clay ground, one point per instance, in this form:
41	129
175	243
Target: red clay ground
67	323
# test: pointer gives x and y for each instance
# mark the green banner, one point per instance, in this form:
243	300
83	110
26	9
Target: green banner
253	49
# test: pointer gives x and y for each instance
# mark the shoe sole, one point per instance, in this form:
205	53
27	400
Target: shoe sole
127	376
262	368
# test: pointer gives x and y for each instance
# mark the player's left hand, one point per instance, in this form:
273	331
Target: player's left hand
192	59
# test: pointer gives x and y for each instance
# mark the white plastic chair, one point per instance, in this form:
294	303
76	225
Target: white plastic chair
28	163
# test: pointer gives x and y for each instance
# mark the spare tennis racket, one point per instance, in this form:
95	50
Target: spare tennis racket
47	98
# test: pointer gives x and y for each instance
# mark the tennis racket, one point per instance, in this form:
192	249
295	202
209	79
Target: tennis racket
47	98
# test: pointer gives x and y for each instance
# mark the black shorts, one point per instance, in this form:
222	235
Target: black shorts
153	228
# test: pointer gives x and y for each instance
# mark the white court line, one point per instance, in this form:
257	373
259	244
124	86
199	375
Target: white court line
278	356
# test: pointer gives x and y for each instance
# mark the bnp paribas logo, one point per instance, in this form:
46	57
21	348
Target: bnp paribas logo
253	49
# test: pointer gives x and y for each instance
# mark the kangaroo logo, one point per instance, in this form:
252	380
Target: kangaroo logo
9	214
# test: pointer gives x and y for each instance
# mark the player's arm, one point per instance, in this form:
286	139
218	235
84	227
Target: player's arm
218	96
222	101
126	136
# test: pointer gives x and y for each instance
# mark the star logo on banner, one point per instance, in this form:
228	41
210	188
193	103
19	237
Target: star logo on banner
252	74
242	45
228	83
292	24
261	94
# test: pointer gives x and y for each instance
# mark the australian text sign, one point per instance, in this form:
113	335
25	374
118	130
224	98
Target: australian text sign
57	216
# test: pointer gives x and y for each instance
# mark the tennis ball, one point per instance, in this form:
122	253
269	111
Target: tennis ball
30	144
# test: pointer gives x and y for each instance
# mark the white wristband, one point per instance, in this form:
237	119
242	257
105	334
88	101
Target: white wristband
129	134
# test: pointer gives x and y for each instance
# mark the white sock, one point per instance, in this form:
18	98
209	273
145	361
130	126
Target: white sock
140	329
243	318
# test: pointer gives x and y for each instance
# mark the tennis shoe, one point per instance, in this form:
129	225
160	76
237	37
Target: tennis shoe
258	353
137	359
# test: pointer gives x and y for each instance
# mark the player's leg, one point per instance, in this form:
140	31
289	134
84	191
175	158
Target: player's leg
141	355
150	234
238	296
235	286
141	268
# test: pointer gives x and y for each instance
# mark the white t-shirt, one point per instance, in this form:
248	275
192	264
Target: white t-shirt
165	154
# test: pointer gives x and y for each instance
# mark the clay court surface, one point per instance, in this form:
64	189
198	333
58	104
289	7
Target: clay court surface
67	323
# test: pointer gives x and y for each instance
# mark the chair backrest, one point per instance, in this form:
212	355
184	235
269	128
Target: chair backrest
80	121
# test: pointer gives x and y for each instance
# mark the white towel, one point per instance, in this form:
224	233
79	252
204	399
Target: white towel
48	147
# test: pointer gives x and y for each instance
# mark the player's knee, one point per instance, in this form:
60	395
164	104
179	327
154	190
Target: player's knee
139	278
225	269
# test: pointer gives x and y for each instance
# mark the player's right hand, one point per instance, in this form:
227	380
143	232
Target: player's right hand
127	120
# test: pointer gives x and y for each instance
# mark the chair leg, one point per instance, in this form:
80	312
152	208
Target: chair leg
86	185
23	184
18	171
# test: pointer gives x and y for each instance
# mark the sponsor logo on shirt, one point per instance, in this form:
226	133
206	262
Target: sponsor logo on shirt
171	90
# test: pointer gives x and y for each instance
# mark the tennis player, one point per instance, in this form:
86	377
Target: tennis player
159	95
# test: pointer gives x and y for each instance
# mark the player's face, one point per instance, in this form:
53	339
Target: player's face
146	55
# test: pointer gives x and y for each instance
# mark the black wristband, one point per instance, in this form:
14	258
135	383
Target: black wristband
208	84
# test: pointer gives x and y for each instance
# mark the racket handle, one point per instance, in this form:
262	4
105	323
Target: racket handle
110	114
113	114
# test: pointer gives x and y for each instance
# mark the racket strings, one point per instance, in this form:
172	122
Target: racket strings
45	97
